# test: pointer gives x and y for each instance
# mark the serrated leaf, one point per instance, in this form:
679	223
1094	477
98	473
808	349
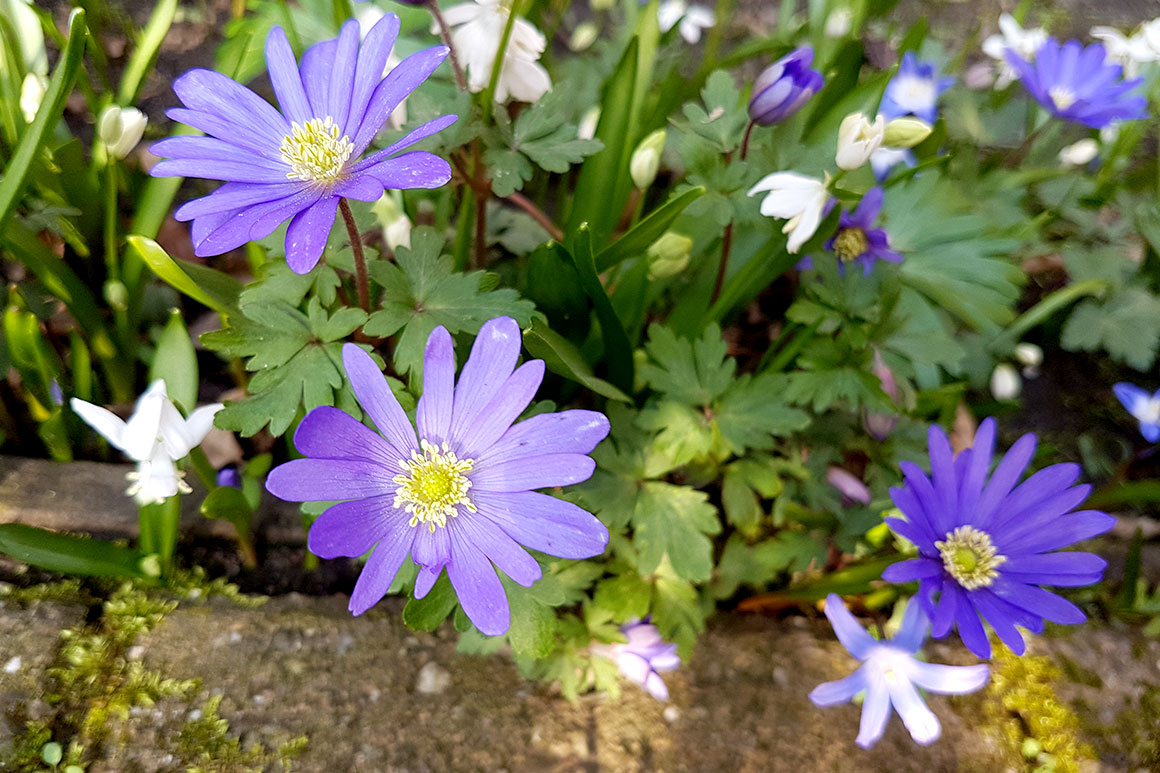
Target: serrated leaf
625	596
682	432
422	291
749	415
1126	326
429	612
674	521
693	372
677	613
508	169
533	623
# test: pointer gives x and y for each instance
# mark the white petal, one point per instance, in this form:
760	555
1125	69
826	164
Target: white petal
143	429
104	421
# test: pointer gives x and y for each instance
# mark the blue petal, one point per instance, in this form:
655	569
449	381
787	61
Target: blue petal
849	631
841	691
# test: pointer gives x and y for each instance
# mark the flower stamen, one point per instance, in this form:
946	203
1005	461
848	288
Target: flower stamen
850	243
969	556
434	484
315	151
1062	98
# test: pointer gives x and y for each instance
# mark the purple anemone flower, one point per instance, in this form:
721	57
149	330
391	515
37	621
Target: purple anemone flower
890	673
784	87
298	163
914	90
984	547
1144	407
643	658
856	239
459	495
1078	84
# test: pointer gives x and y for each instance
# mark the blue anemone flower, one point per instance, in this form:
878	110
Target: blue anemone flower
914	90
889	674
984	547
857	241
1078	84
1143	406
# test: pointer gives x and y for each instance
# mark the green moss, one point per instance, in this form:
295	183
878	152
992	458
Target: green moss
92	683
1032	723
205	745
1132	741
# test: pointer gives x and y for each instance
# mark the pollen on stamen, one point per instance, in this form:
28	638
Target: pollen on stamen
970	557
315	151
433	485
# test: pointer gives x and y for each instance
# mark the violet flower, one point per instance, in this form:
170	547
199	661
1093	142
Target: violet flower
298	163
784	87
459	495
914	90
856	240
1144	407
984	547
1077	84
643	658
890	673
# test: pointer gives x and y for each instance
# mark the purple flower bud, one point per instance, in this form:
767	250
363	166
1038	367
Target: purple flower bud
783	87
643	657
229	476
850	487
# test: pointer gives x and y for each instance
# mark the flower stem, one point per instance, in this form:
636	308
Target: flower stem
726	246
360	261
497	63
745	139
524	203
445	33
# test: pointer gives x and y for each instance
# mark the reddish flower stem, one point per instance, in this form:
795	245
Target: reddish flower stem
360	262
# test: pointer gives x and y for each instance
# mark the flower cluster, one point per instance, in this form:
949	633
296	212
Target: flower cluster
458	496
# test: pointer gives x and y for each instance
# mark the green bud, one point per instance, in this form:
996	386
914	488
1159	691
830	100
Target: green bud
905	133
584	36
150	565
116	294
668	255
1030	748
646	159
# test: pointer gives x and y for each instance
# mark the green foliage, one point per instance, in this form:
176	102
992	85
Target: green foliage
420	292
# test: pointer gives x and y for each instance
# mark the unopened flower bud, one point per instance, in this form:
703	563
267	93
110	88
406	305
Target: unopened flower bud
858	139
588	122
31	95
601	5
120	129
583	36
1030	357
646	159
783	87
848	485
668	255
903	133
838	23
1079	153
394	221
880	425
1005	382
116	294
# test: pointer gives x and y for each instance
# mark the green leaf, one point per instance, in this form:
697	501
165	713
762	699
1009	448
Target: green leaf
562	358
508	169
693	372
625	596
677	613
617	349
71	555
215	289
229	504
420	291
674	521
758	565
637	239
533	623
748	415
1126	326
723	116
683	434
176	362
427	613
47	115
145	55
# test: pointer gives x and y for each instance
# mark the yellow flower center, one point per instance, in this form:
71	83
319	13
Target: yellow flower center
433	485
315	151
969	556
850	243
1063	98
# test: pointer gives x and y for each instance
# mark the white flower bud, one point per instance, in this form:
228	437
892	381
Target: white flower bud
584	36
588	122
1030	357
395	223
120	129
858	139
838	23
903	133
1005	382
646	159
668	255
1079	153
31	95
